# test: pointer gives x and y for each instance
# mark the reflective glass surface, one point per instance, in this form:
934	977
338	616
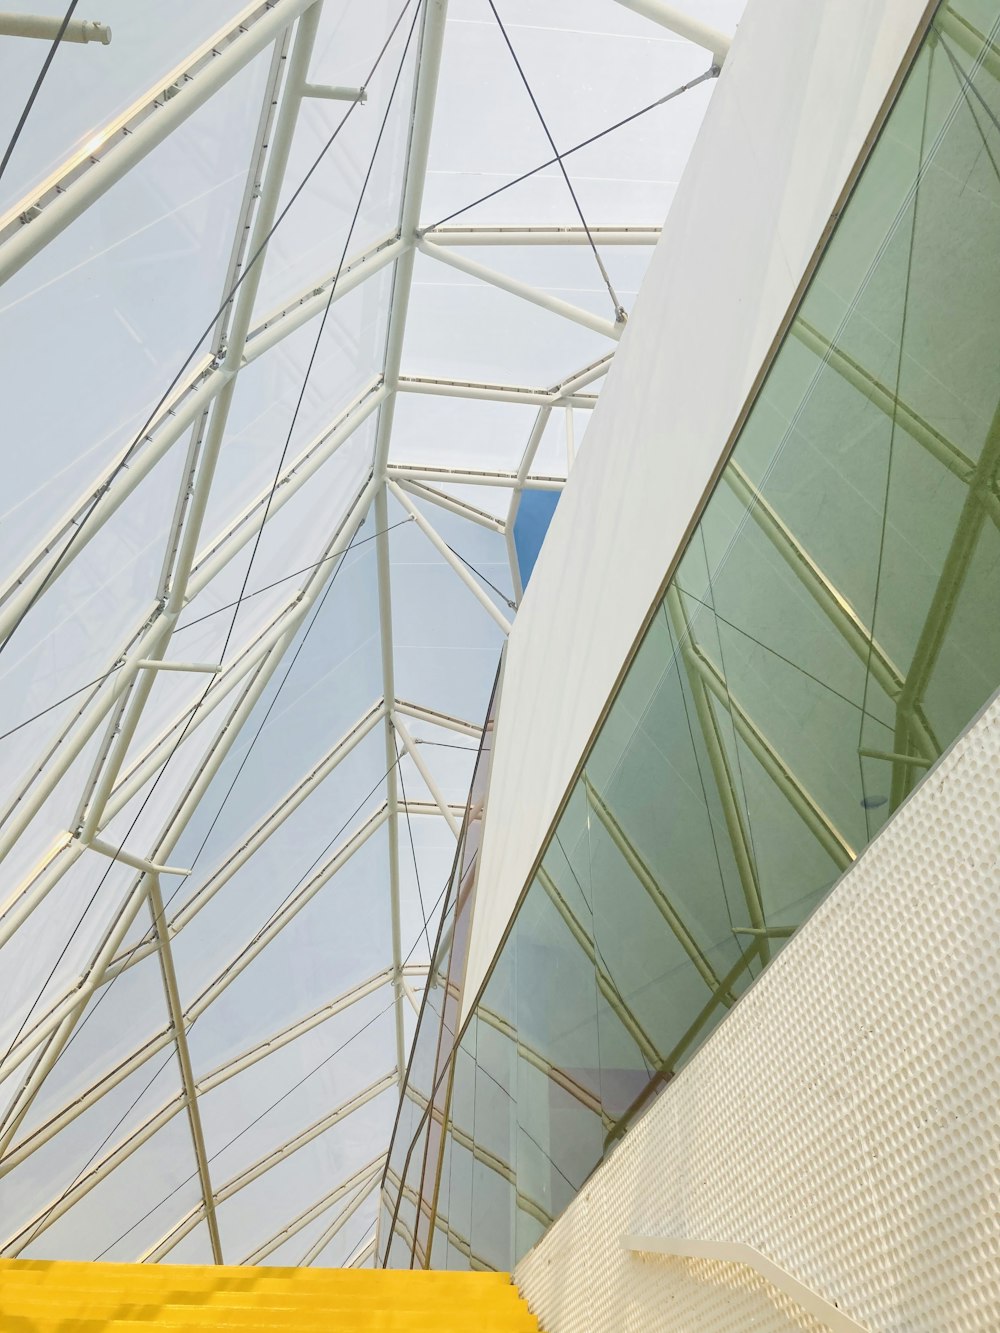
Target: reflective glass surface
831	628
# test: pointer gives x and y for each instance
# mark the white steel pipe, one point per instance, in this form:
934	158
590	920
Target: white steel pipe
292	313
291	909
361	1177
471	477
198	668
425	95
456	724
332	93
77	998
176	1012
41	882
545	300
495	393
453	506
174	418
254	1172
129	859
342	1218
426	774
691	29
193	519
391	785
541	235
442	547
273	820
248	40
48	29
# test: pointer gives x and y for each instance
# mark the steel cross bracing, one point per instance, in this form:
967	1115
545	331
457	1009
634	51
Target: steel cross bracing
111	725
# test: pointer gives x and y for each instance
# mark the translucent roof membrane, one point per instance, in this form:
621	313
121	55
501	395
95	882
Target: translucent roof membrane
260	437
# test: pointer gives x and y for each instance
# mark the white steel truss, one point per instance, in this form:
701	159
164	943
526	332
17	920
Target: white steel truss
138	730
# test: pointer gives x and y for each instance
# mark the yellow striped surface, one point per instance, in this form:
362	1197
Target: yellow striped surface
42	1296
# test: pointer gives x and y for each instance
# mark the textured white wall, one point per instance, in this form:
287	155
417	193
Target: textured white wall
844	1119
799	93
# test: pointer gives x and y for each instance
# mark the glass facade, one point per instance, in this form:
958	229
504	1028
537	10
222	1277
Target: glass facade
833	625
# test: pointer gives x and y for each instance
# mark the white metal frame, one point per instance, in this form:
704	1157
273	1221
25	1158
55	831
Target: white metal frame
195	416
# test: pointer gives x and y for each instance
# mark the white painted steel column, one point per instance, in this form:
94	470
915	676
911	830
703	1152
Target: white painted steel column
274	174
428	68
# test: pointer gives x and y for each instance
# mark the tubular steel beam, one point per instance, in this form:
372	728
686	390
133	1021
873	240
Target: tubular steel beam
40	882
72	1008
48	29
29	225
197	504
344	1216
675	21
445	720
251	1173
424	97
359	1179
179	1030
493	393
542	235
221	1074
453	505
553	304
449	556
411	749
469	477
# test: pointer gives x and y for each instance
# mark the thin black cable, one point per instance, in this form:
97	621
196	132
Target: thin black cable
286	578
675	653
36	89
98	680
434	906
729	697
382	1012
232	624
448	745
246	1129
225	972
298	884
602	961
620	314
229	791
584	143
360	1245
111	864
248	266
966	84
326	313
780	656
479	574
413	846
884	526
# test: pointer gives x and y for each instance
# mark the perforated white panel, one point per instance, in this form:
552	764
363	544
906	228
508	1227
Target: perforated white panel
844	1119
